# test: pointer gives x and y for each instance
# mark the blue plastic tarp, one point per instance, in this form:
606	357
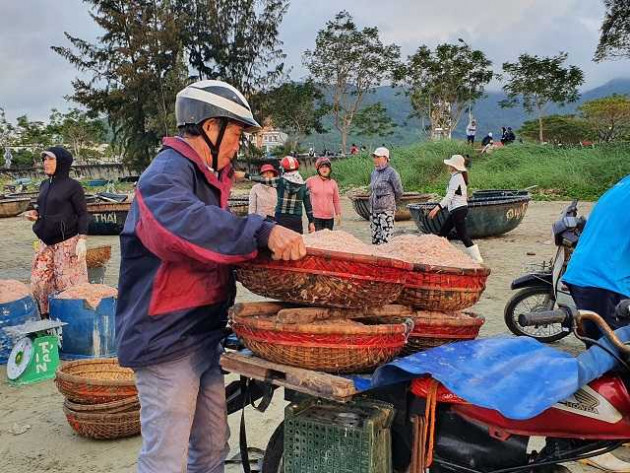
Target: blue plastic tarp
519	377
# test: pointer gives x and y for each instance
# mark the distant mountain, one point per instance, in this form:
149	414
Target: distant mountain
490	116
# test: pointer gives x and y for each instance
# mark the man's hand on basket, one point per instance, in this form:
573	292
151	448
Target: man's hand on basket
434	211
286	244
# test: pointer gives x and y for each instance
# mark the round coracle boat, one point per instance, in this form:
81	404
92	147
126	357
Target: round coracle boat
487	216
361	203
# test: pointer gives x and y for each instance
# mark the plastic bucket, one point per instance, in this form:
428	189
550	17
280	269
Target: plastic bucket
15	313
90	332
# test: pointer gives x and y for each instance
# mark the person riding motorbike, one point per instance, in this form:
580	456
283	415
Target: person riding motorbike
176	282
598	274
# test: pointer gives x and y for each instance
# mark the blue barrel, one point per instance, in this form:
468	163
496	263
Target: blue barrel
15	313
90	332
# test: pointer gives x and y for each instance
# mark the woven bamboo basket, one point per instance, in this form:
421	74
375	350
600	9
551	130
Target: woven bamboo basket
99	256
327	278
333	348
443	289
433	329
123	405
238	208
95	381
104	426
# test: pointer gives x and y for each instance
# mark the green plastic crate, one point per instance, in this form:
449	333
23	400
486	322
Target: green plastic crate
323	437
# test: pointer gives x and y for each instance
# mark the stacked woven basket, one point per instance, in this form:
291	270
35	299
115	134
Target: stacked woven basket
431	296
101	399
329	279
441	294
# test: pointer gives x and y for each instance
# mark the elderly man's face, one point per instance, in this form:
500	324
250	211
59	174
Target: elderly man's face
230	143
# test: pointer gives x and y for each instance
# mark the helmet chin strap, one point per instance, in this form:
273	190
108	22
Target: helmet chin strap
214	147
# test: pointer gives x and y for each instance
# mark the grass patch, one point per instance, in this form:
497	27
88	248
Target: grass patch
559	173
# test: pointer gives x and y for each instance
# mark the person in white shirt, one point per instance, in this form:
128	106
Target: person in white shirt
456	201
471	131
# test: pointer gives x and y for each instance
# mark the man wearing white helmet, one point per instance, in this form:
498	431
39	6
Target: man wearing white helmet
176	281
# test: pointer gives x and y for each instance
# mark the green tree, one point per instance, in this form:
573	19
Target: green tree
77	130
559	129
609	116
614	41
539	81
234	40
349	63
33	134
128	73
298	109
444	83
373	121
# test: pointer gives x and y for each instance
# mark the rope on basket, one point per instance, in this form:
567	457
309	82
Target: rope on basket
429	420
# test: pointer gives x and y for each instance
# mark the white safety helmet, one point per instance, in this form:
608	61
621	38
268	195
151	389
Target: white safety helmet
213	99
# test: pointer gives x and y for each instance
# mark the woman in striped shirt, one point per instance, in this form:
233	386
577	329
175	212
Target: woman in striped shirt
292	196
456	201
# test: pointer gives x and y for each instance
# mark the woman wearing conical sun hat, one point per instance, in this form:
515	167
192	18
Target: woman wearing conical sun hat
456	201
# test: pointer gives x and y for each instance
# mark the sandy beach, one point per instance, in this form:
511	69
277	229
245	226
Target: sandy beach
34	434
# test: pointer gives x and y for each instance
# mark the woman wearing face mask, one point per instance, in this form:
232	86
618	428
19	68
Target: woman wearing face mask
385	190
61	223
324	196
456	201
263	198
292	195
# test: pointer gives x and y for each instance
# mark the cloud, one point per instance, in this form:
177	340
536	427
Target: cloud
35	79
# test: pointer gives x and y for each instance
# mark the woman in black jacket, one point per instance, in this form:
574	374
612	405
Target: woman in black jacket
61	222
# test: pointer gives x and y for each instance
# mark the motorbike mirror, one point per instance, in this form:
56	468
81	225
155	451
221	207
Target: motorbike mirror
622	311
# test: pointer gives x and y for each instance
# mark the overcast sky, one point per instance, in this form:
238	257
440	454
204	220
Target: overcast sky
33	79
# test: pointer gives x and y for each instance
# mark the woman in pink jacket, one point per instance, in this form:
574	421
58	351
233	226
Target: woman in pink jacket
324	196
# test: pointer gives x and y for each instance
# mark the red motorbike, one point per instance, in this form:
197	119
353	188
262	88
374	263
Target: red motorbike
471	439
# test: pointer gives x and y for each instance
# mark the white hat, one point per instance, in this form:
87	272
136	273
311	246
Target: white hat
457	161
490	134
382	151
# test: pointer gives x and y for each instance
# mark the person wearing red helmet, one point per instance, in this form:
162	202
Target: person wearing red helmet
324	196
293	195
263	198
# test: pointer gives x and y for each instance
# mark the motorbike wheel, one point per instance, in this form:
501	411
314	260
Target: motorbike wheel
533	299
272	461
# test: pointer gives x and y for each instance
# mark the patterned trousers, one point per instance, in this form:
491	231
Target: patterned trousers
56	268
382	226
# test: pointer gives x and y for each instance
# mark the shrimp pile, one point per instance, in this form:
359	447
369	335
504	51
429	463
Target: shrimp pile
420	249
91	293
11	290
427	249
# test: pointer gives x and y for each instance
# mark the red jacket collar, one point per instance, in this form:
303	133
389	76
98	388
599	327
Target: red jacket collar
223	182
